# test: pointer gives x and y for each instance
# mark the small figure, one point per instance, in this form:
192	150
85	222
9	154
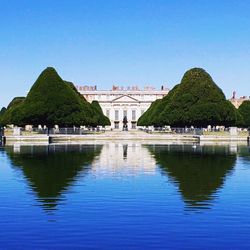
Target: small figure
234	95
125	124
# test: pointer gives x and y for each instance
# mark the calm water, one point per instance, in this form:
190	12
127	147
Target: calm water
125	196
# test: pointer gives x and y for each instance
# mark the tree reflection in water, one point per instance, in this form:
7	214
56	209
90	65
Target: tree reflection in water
52	169
198	171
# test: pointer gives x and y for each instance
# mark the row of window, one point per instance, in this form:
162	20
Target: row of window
118	125
125	113
107	97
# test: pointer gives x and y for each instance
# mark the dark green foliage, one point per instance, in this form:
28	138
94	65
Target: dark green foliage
151	116
72	86
2	111
147	117
16	101
244	111
99	116
13	113
196	101
52	101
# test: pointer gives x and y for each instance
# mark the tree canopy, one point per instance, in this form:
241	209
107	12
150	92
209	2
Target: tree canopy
244	111
2	111
12	115
52	101
101	119
196	101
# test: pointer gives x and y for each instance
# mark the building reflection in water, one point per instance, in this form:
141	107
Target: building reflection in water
125	151
198	171
122	159
52	169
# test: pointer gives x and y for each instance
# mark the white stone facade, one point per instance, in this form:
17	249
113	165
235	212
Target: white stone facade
238	101
119	102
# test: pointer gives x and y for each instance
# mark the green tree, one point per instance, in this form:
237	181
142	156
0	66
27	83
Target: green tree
196	101
2	111
100	118
13	113
52	101
244	111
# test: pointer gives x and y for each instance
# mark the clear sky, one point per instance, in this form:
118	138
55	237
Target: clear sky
106	42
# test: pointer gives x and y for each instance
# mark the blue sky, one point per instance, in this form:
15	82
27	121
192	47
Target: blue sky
106	42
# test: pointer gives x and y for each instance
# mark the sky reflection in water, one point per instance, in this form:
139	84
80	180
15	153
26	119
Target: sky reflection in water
145	194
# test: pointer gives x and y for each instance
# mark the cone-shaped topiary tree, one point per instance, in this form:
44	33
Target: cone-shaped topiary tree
52	101
196	101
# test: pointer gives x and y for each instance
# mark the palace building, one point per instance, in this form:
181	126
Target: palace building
238	101
120	102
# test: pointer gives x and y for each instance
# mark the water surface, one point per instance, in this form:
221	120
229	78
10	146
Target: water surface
128	195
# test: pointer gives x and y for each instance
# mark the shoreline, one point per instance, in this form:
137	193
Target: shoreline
123	136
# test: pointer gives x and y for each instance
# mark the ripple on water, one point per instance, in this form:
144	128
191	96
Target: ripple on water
124	196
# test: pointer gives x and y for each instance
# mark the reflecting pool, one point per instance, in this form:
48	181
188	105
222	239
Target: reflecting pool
125	195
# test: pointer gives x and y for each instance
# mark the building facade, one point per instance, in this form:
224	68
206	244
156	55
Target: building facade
121	103
238	101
